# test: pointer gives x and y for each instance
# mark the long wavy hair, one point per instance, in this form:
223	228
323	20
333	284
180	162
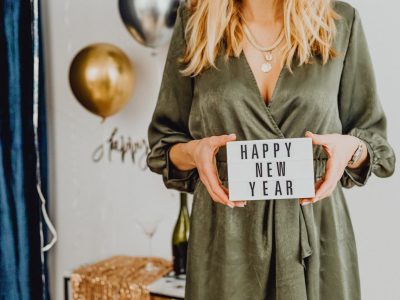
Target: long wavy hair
309	29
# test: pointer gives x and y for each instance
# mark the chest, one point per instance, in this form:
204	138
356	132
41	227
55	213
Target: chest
233	87
266	69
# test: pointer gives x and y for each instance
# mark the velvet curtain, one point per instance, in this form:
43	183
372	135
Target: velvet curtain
23	271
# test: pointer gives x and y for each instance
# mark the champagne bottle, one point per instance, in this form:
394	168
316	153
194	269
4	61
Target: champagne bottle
180	238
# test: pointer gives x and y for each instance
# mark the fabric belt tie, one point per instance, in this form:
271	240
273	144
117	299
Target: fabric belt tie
291	219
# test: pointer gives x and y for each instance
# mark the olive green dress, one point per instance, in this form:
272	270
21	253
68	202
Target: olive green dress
272	249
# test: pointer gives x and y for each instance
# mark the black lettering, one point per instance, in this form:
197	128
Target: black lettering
243	151
269	169
252	184
265	188
281	168
289	187
255	152
288	145
265	150
258	169
276	148
278	189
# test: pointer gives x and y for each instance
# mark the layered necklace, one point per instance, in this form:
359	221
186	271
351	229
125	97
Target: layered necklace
267	51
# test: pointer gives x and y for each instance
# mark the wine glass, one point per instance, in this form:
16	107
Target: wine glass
149	226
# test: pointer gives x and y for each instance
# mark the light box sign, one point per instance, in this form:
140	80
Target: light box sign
270	169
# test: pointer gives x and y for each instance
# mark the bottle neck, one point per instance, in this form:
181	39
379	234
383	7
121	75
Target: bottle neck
183	200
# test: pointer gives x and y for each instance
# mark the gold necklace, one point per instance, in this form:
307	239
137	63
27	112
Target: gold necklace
267	66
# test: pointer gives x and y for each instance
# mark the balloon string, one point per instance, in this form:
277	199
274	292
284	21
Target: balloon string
47	220
49	224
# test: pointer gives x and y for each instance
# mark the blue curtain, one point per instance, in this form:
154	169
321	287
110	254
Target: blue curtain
23	271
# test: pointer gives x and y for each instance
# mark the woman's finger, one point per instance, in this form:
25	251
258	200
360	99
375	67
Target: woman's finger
210	192
329	180
317	186
221	140
318	139
215	186
215	197
237	203
313	199
306	202
205	179
204	171
240	203
328	193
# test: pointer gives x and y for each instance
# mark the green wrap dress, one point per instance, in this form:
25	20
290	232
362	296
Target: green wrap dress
272	249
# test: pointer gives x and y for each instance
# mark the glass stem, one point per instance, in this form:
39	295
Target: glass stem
150	247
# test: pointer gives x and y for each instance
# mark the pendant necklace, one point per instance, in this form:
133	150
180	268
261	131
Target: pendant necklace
267	66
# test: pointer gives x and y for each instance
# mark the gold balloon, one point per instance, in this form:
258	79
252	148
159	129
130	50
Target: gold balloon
102	78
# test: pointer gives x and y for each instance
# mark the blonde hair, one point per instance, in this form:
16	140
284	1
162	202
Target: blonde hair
308	25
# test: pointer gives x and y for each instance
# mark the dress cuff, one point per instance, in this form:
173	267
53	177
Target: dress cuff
184	181
359	176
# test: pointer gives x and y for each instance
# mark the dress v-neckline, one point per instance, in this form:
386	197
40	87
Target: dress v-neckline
254	80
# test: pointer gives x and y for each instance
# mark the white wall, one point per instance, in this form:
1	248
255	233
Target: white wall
94	204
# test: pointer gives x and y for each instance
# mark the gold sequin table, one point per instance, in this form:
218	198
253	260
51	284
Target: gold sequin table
118	278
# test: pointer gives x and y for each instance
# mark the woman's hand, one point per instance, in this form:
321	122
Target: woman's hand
339	148
203	155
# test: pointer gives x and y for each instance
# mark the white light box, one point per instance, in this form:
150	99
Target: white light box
270	169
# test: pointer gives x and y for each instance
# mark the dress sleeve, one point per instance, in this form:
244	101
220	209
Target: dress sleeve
169	123
361	112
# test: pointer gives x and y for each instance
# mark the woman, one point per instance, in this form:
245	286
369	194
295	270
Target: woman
264	69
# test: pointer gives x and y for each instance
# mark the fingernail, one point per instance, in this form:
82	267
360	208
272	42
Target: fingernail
232	135
231	205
